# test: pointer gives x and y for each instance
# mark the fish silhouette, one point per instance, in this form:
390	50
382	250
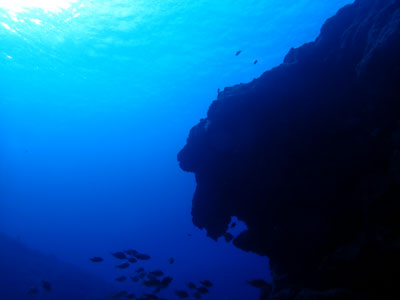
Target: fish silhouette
46	286
206	283
96	259
182	294
123	266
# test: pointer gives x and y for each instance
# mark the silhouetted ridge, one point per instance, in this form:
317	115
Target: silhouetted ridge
29	274
308	156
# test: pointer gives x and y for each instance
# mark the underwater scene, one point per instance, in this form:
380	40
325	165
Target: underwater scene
175	149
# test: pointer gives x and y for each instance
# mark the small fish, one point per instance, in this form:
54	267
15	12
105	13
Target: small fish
142	275
258	283
233	225
131	252
228	237
156	273
134	278
191	285
206	283
130	296
119	255
182	294
123	266
237	53
32	291
202	290
139	270
197	295
142	256
256	61
166	281
46	285
150	296
189	234
121	278
96	259
153	282
171	260
132	260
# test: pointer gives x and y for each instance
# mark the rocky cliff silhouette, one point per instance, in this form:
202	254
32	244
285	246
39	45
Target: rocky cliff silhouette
308	156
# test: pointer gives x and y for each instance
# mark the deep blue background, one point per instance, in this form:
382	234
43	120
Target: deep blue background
96	99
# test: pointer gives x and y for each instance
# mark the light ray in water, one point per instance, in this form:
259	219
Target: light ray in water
55	6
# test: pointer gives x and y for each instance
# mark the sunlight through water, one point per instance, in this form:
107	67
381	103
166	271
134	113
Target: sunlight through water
55	6
21	17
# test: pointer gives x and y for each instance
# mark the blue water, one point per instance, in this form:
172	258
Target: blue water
97	98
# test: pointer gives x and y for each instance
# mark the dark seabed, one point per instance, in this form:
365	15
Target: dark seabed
292	182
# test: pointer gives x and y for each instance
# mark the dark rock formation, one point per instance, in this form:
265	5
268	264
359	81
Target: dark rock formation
308	156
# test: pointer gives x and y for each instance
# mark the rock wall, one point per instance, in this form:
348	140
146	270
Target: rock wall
308	156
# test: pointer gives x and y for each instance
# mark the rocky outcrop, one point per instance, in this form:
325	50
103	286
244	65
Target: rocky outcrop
308	156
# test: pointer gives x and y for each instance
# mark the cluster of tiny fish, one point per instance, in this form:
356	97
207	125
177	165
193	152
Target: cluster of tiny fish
156	280
45	285
151	282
